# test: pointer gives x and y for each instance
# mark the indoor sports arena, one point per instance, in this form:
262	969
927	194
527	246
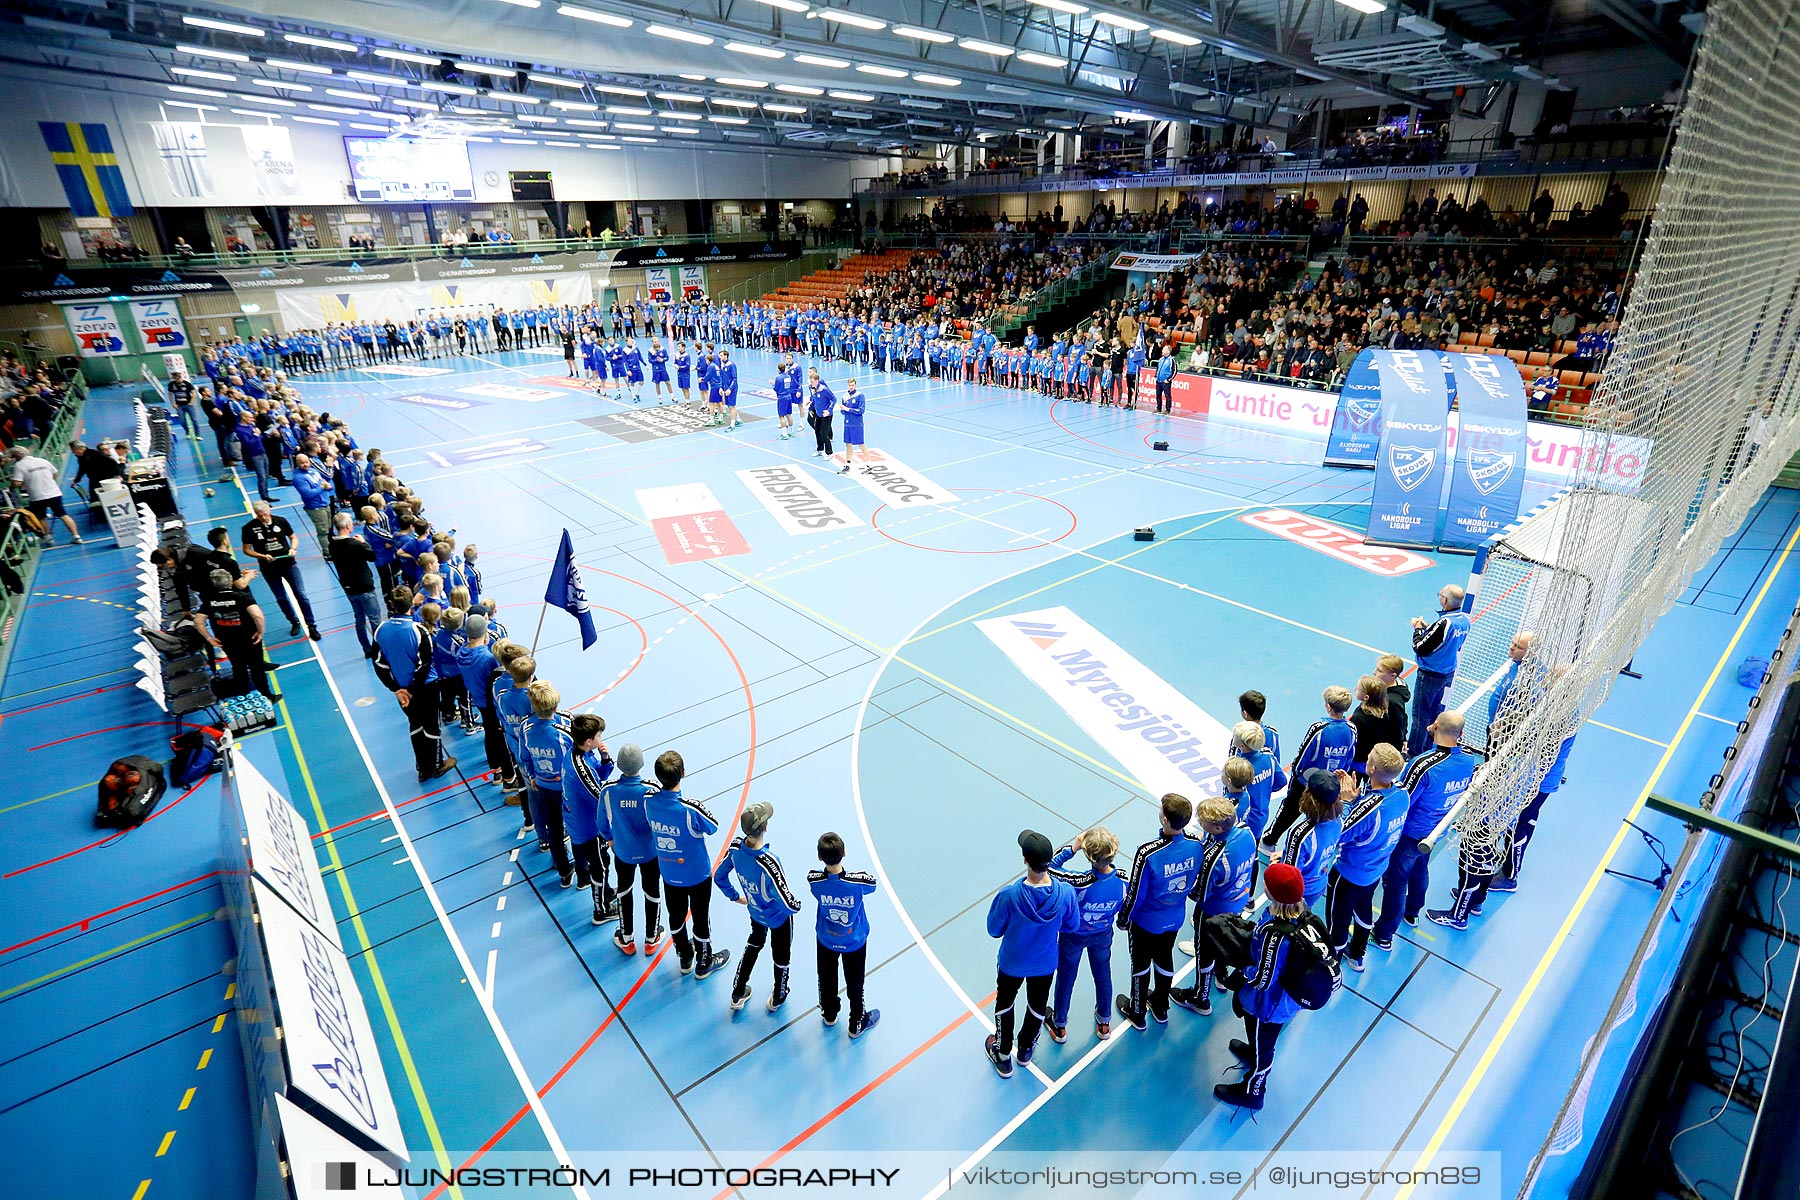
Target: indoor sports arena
806	598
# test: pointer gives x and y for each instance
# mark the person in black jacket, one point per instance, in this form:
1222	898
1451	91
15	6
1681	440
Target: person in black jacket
233	622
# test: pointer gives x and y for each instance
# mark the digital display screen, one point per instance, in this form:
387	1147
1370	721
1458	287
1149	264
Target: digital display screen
409	169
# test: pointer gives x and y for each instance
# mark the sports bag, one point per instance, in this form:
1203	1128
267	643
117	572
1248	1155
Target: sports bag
196	754
128	791
1310	974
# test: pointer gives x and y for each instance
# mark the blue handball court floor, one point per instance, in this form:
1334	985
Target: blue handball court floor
855	672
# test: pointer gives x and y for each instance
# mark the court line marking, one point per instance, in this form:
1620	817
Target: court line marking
133	944
1511	1020
1615	729
1720	720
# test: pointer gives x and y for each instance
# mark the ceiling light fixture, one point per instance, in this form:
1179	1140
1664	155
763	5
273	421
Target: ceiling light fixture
313	120
845	17
197	73
584	123
981	47
370	128
488	69
523	3
323	43
737	82
679	116
784	108
222	55
923	35
1061	6
275	100
681	97
633	125
304	68
284	85
938	80
728	102
371	77
574	106
455	89
850	114
242	112
679	35
517	142
859	97
626	110
1176	36
337	108
642	141
821	60
1042	60
403	102
1121	22
407	56
793	6
799	89
598	18
516	98
198	91
222	26
525	119
1367	7
757	51
878	69
729	120
613	89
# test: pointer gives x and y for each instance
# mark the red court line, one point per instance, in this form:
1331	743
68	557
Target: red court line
743	798
382	812
112	837
114	729
83	924
111	687
862	1093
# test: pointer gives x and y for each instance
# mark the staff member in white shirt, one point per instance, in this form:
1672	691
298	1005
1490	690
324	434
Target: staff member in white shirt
41	486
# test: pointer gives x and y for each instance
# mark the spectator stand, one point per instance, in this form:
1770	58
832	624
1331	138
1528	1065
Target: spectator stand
19	548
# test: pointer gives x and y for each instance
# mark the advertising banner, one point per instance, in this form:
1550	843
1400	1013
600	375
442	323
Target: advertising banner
1356	426
1487	477
96	329
1415	438
657	285
159	324
272	164
1156	264
693	282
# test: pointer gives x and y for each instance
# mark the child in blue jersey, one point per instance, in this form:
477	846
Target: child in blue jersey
1229	845
1252	705
514	709
772	906
681	826
1371	829
633	849
1028	916
477	659
1247	743
1164	873
843	933
545	737
1311	845
1329	745
1099	891
1435	780
1266	1006
586	768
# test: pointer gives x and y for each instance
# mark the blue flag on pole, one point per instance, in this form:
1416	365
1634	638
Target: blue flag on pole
565	591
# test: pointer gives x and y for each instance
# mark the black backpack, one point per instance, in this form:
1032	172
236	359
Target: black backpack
128	791
1310	974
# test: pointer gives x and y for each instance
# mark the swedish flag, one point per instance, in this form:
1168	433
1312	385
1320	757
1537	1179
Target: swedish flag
89	171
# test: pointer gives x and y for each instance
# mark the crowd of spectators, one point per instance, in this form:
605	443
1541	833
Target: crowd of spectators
973	279
29	400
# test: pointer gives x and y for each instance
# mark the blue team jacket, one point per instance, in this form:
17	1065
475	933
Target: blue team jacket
1371	830
1261	994
584	775
545	740
1313	851
624	800
514	707
1437	645
1240	855
1028	921
681	827
1435	780
406	652
1098	896
765	884
843	923
1163	874
1329	745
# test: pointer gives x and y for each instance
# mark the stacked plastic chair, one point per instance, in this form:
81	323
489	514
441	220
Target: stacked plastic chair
178	682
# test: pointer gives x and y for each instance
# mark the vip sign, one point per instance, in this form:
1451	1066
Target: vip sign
1334	541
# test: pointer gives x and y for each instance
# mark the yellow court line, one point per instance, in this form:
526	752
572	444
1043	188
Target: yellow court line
362	933
219	1024
1615	729
186	1100
141	1189
205	1059
1101	566
168	1139
104	954
1562	934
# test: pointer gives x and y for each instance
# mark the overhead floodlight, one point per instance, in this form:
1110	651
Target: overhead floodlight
285	86
784	108
197	73
676	115
757	51
981	47
574	106
598	18
859	97
938	80
1042	60
681	97
730	102
1367	7
878	69
626	110
488	69
426	105
516	98
799	89
748	84
613	89
1176	36
821	60
793	6
1062	6
185	90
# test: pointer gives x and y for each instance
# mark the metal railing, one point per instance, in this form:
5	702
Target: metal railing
20	548
300	256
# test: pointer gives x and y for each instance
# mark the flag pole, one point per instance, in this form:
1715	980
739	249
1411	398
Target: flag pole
540	629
